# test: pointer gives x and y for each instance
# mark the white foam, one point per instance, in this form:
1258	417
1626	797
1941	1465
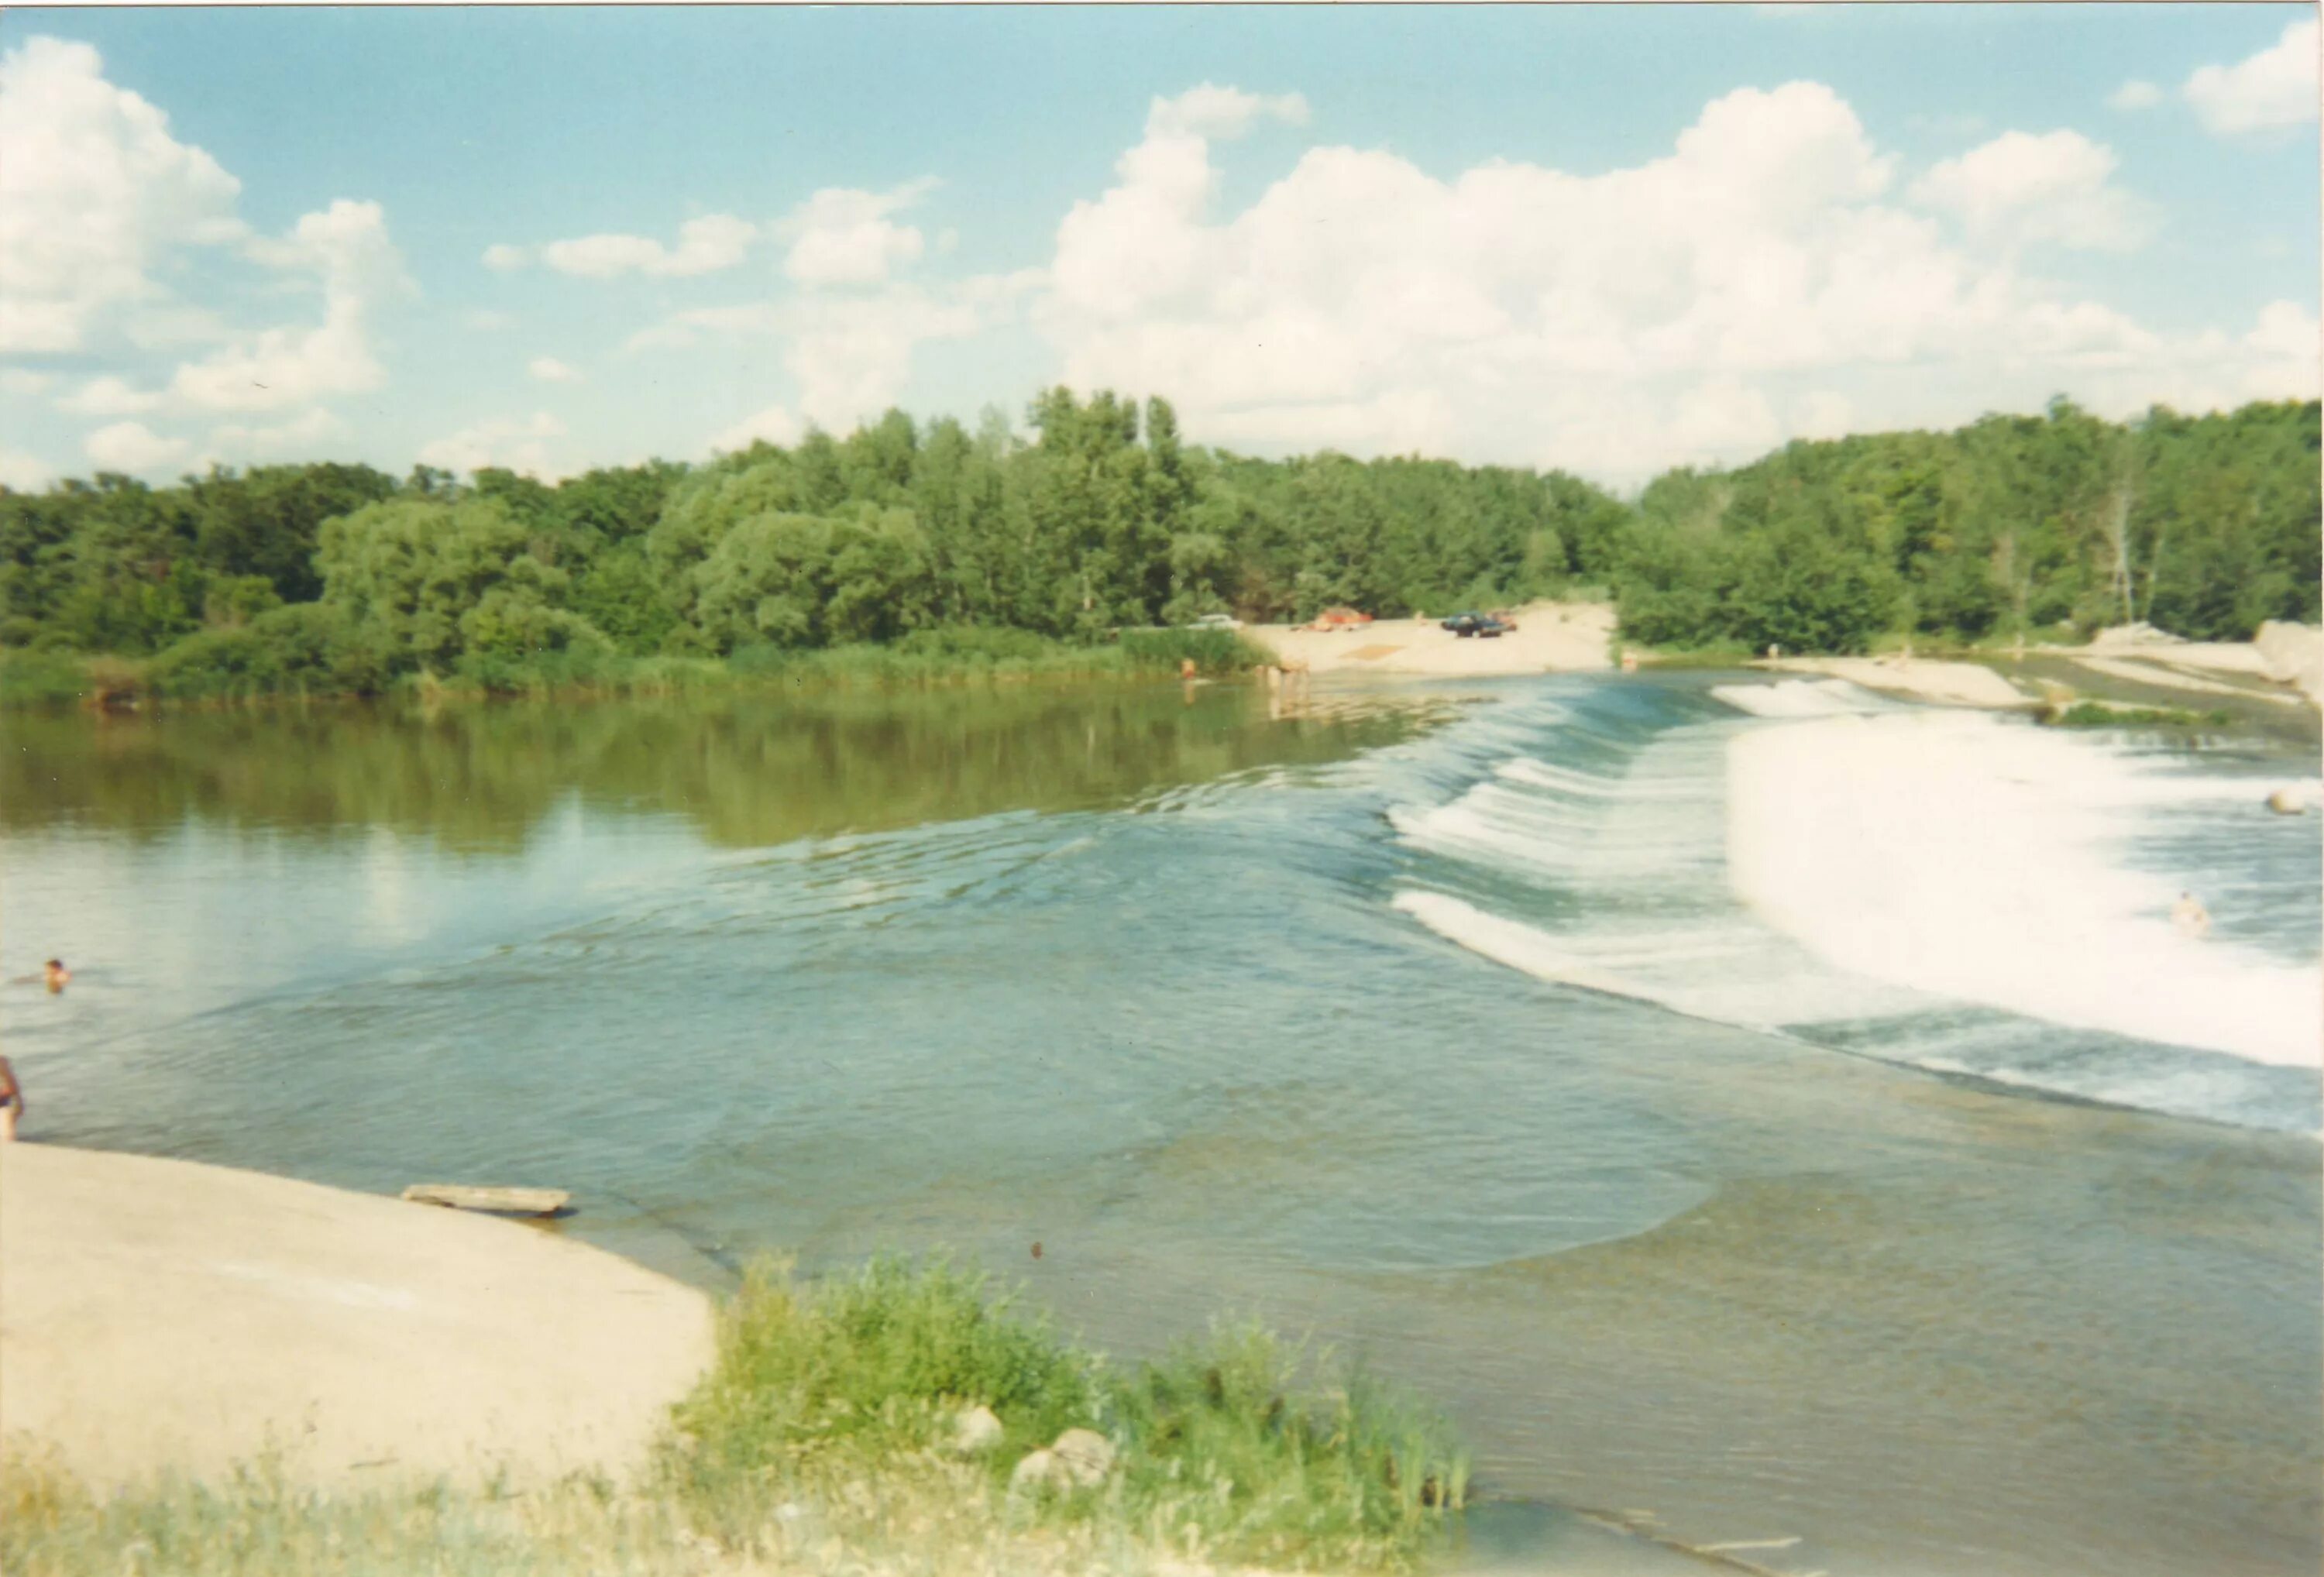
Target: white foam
1799	698
1534	952
1981	860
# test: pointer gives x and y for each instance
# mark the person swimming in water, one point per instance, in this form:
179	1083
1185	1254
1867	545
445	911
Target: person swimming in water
2190	917
11	1101
56	975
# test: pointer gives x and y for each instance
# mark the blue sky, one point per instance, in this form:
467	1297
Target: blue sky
1607	238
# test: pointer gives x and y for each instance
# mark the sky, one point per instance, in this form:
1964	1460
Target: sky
1608	239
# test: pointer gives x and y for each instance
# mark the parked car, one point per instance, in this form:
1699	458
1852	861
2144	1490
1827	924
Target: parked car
1341	619
1216	621
1473	623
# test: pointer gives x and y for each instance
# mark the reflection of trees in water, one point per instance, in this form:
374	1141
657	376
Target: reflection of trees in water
746	771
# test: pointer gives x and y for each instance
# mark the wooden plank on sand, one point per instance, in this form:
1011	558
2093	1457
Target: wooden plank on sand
503	1201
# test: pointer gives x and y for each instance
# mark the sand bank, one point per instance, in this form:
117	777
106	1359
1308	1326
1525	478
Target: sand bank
2290	656
1919	678
1550	638
159	1314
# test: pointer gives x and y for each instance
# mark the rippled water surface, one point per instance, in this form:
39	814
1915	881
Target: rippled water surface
1731	1133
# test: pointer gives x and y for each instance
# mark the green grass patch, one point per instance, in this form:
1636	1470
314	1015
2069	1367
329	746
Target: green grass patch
2107	715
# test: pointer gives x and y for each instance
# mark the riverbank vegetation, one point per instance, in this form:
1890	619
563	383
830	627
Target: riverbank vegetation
828	1437
2115	715
2015	527
903	553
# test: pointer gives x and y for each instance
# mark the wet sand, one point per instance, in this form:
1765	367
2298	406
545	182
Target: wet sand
162	1315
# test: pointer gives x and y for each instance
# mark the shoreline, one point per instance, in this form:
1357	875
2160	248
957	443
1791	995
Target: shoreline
2280	670
1550	637
285	1376
163	1316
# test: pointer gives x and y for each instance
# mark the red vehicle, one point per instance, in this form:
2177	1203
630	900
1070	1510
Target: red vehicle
1340	619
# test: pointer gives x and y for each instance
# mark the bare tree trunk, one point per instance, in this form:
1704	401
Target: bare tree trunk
2118	534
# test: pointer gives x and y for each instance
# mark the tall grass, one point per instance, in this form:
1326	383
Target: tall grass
48	680
823	1440
228	666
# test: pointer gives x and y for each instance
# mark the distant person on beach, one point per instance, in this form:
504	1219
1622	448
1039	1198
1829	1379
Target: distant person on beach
2190	917
11	1101
55	975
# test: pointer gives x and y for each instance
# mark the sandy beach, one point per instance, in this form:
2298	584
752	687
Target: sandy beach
1550	638
2290	658
2284	665
158	1315
1918	678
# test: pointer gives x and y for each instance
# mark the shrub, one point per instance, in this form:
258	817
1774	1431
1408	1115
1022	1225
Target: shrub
43	678
1214	651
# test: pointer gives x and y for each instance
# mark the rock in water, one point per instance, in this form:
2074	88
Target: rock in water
1085	1455
2286	802
977	1431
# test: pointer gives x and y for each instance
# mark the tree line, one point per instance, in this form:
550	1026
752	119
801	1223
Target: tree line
1101	517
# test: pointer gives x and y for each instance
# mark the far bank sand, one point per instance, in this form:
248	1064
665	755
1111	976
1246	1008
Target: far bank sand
1550	638
2288	656
1920	679
158	1315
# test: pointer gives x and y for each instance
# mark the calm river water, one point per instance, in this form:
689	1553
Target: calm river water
1733	1101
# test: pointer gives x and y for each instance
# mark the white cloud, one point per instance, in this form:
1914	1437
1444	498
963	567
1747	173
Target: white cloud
23	381
705	245
1823	414
775	424
2135	94
685	329
2273	88
2286	329
1136	242
1762	280
850	353
346	245
297	438
1223	113
172	325
133	448
550	370
24	473
512	443
110	396
853	356
843	236
92	188
2053	186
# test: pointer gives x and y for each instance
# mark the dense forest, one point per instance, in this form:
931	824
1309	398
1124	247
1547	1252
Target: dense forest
958	544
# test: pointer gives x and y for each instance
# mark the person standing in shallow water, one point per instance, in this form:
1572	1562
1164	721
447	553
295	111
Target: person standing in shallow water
12	1101
2190	917
55	975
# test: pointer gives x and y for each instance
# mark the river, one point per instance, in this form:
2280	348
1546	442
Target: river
1773	1116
